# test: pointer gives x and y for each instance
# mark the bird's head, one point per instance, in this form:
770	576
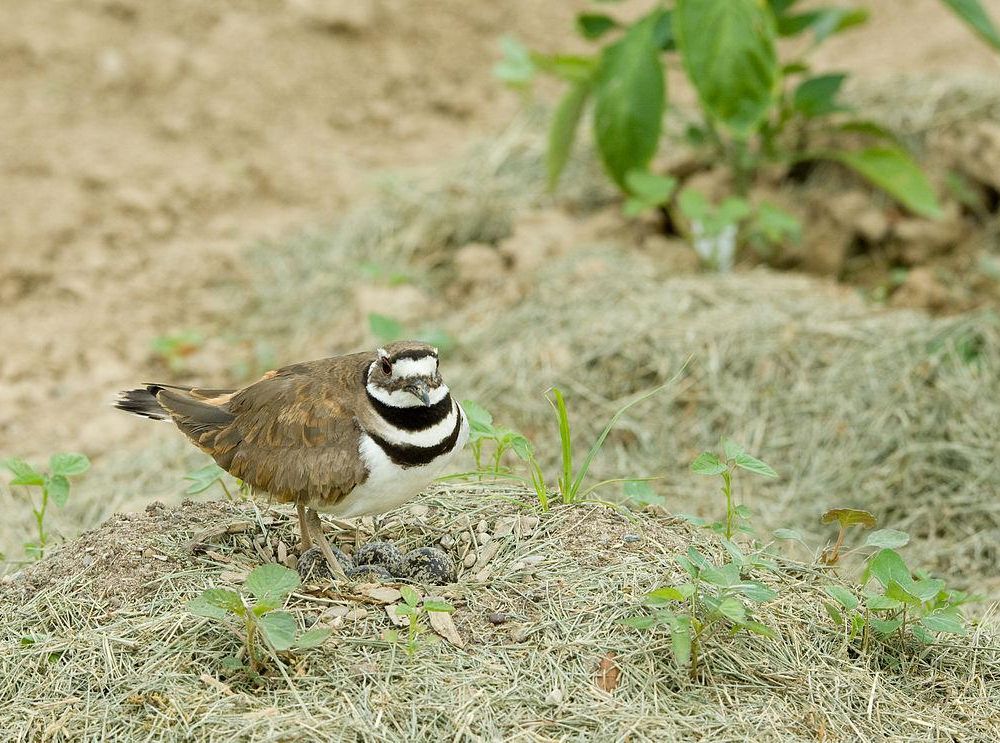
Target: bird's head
405	375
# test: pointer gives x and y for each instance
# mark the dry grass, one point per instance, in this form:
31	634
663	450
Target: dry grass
116	657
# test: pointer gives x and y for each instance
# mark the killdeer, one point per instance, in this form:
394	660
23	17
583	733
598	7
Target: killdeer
350	435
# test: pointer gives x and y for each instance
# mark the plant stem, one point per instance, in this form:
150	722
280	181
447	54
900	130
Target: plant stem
40	521
727	480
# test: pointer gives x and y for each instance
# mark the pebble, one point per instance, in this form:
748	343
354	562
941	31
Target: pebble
631	538
504	526
497	617
554	697
528	524
485	538
482	526
469	560
447	541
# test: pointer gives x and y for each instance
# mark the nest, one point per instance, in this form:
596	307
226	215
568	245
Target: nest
97	643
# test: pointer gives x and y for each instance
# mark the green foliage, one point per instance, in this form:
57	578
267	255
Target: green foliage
205	477
717	597
53	486
754	105
270	585
175	348
413	609
387	330
732	457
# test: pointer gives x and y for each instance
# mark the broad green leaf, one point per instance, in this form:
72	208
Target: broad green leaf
743	511
817	96
732	609
735	552
58	489
521	446
479	417
272	582
842	596
68	463
707	463
663	34
823	22
432	605
24	473
884	626
896	591
849	517
728	52
928	638
312	638
776	225
594	25
788	534
887	538
649	187
944	620
411	597
572	68
664	595
894	172
278	628
203	478
752	464
876	602
758	629
516	68
833	612
202	607
385	328
680	641
756	592
731	449
562	132
263	606
224	599
972	12
629	100
641	492
888	566
639	622
727	575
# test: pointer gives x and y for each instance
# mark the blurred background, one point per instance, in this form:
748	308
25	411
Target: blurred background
198	191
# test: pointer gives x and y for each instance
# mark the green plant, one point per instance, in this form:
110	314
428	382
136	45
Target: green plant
270	585
755	108
54	485
896	602
482	430
205	477
175	348
715	597
733	457
413	608
387	330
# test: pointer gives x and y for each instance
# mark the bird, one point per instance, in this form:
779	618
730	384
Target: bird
350	435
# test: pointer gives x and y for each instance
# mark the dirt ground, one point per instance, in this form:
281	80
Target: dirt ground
143	146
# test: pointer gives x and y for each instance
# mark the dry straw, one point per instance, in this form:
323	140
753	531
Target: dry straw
97	645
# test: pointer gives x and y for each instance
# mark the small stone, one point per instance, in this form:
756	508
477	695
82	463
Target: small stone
631	538
447	541
355	615
482	526
429	565
504	526
464	537
485	538
528	524
497	617
420	511
554	697
519	634
519	565
486	555
469	560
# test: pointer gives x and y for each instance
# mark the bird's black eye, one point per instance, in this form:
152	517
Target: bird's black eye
386	366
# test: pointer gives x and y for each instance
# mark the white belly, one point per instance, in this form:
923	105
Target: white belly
388	485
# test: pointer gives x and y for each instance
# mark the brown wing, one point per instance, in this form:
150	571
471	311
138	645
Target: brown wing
292	434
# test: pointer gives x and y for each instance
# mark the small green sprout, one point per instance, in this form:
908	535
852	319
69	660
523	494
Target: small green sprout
270	585
845	518
175	348
733	457
413	608
715	598
205	477
54	486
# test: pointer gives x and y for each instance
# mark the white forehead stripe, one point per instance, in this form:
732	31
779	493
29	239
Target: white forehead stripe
422	367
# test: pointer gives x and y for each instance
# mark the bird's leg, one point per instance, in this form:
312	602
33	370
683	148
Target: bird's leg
306	540
331	559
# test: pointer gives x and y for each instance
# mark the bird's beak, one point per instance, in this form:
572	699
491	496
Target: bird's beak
421	391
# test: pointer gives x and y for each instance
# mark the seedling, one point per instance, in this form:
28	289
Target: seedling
482	430
205	477
174	349
270	586
845	518
387	329
54	486
413	609
733	457
715	598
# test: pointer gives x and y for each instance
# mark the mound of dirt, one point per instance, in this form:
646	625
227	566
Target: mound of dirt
105	648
